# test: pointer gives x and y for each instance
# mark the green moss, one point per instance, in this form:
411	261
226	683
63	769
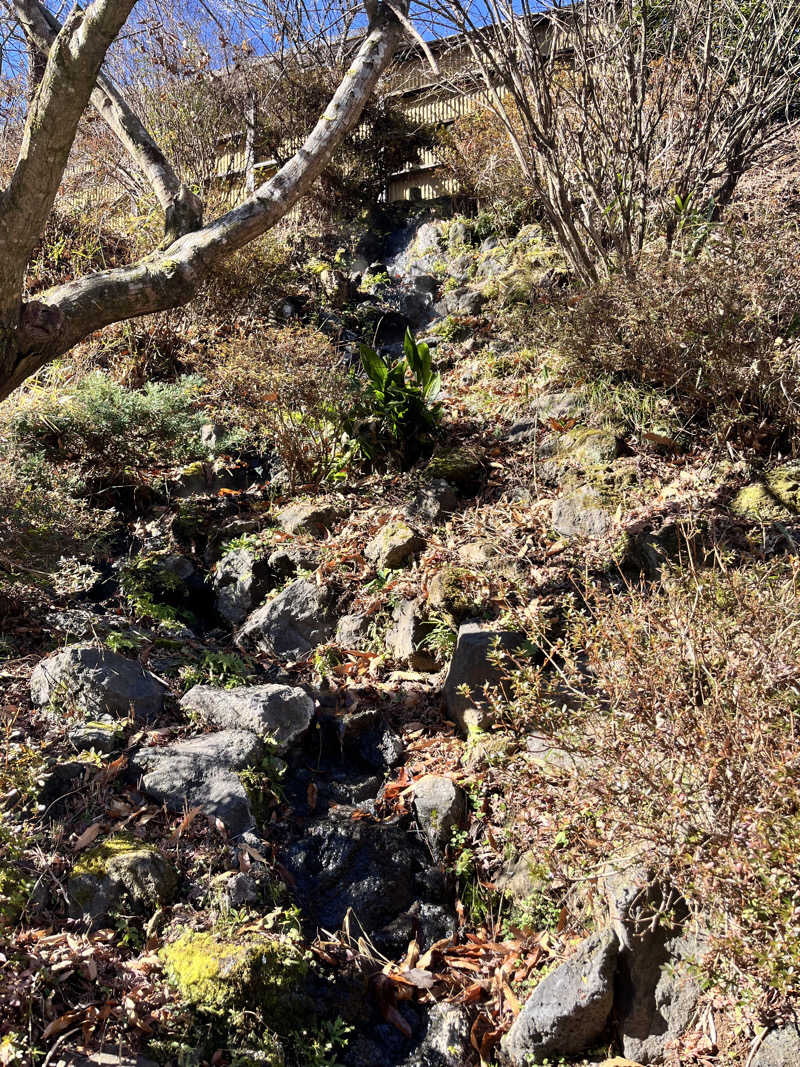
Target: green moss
15	890
776	497
454	589
96	860
589	446
458	466
219	975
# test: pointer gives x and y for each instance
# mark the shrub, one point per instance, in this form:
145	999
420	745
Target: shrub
683	702
107	427
401	411
719	333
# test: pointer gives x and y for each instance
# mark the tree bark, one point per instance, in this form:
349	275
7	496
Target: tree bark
64	315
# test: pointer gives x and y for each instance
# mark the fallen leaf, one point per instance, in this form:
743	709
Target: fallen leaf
88	836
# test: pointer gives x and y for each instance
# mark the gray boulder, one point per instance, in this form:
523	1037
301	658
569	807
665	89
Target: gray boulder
780	1048
569	1009
463	301
307	518
657	991
98	682
121	869
291	625
201	772
440	807
281	713
433	501
393	545
472	667
446	1041
352	630
581	513
241	580
404	639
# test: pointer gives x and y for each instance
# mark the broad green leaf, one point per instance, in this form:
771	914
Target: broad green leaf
374	365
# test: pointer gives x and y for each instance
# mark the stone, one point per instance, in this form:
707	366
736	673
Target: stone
559	405
425	283
463	301
211	435
219	972
364	736
458	234
452	590
440	808
589	446
201	772
780	1047
74	1058
581	513
523	877
280	713
471	666
367	867
336	286
241	580
446	1040
657	991
102	736
291	625
776	498
122	868
405	637
393	546
433	501
286	562
307	518
459	466
352	631
477	552
98	682
649	550
238	890
569	1008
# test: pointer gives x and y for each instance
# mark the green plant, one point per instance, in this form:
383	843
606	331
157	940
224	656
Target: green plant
402	408
223	669
110	428
319	1046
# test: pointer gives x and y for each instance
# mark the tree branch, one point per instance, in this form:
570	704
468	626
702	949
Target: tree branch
183	211
52	121
66	314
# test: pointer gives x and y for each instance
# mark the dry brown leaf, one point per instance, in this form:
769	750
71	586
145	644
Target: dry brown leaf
88	836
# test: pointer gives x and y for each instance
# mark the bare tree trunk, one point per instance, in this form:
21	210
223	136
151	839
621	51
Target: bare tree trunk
64	315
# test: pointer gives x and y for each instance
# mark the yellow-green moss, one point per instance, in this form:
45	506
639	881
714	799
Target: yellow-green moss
15	890
776	498
96	860
220	974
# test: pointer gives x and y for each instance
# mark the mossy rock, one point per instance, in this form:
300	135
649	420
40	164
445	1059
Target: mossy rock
453	589
220	974
775	499
121	868
458	466
589	447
